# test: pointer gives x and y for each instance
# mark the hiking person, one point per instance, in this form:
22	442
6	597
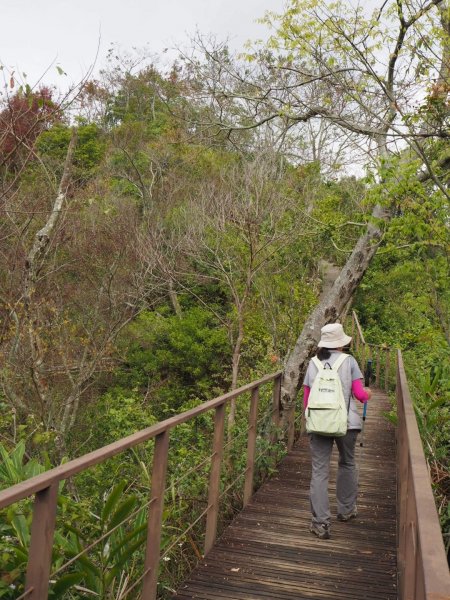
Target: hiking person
332	381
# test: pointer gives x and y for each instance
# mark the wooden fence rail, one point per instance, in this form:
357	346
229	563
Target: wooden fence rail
422	564
44	487
423	569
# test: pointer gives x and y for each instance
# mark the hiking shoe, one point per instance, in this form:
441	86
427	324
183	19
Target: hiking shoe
321	530
348	516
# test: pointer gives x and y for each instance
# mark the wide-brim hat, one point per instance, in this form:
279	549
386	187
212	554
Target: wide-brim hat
333	336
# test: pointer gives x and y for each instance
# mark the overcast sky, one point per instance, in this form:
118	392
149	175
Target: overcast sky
36	34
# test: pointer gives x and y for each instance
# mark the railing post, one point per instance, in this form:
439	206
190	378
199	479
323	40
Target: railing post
363	358
276	405
155	516
377	380
41	544
214	479
291	428
386	375
276	416
251	446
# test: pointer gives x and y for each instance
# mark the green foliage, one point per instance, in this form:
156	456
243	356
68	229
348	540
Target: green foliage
52	146
25	431
431	392
122	532
139	99
403	301
13	469
172	359
420	212
398	297
116	414
120	529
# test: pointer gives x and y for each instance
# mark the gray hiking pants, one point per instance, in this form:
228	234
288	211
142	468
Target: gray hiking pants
347	478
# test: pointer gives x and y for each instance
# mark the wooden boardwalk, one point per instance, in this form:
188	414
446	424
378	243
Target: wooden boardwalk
268	553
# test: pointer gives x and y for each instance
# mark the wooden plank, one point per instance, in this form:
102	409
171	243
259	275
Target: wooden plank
291	427
276	407
358	326
363	359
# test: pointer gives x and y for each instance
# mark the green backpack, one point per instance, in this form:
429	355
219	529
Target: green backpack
326	413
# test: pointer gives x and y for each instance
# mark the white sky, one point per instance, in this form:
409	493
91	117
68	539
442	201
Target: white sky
37	33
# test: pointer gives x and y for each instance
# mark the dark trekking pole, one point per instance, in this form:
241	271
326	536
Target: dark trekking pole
367	377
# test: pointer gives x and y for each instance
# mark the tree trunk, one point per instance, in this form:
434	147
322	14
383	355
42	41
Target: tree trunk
329	309
174	299
31	270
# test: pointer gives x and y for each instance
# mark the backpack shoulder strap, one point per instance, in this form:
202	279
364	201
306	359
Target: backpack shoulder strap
339	361
317	362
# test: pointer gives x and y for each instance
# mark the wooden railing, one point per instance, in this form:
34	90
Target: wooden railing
44	487
422	564
380	354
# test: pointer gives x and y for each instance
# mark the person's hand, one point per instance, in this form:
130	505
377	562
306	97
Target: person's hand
368	392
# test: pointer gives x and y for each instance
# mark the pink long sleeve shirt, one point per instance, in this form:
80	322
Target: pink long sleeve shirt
358	392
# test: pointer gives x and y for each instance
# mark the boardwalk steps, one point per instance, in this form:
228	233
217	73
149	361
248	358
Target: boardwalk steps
269	553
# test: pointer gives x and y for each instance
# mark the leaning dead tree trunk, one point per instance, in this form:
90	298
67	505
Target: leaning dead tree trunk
330	307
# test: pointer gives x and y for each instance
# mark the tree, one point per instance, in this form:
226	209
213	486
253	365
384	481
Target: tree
71	279
22	120
232	229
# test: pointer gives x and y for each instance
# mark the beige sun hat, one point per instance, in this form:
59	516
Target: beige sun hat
333	336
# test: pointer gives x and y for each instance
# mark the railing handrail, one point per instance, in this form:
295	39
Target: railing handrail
417	510
358	326
35	484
